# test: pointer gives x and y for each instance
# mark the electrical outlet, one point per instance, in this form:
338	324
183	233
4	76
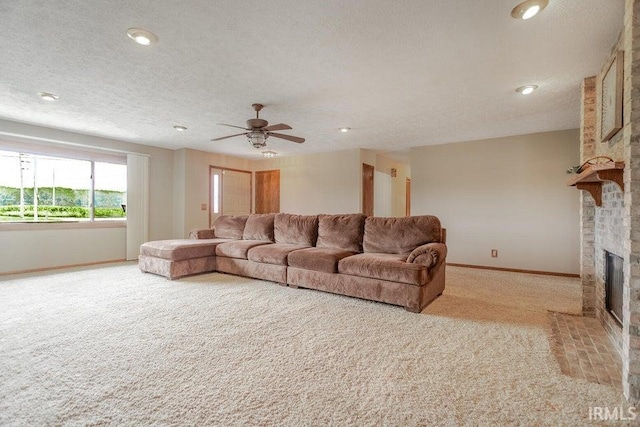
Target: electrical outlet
494	253
203	207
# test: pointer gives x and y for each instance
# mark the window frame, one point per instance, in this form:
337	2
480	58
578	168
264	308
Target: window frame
65	153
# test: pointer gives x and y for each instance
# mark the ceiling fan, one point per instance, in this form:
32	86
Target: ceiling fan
259	130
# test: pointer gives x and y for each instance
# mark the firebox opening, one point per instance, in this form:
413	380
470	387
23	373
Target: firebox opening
613	285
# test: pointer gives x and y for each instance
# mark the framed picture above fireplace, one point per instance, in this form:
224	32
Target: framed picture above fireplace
611	102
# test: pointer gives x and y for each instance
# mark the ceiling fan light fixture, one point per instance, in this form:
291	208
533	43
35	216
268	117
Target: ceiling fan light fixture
180	128
528	9
142	36
48	96
344	129
269	154
526	90
257	139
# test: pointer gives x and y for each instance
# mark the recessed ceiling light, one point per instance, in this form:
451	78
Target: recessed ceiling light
142	36
529	8
269	154
180	128
345	129
48	96
526	90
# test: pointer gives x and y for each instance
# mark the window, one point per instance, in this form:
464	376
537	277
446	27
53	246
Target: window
216	193
41	188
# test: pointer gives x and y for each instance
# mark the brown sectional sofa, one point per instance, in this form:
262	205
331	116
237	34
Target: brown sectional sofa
398	261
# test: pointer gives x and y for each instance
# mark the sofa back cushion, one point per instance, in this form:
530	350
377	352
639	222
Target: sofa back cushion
259	227
400	235
341	231
229	226
296	229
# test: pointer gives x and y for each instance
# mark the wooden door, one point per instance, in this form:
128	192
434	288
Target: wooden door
408	200
268	191
367	189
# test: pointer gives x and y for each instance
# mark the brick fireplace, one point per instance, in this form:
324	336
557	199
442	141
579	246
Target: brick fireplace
614	227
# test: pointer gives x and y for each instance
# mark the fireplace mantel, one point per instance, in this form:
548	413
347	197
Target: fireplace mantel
593	176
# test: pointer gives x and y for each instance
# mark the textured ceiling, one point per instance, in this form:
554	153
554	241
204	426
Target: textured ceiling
399	73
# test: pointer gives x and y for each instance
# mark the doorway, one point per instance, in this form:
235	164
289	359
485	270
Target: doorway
368	172
408	199
268	191
229	192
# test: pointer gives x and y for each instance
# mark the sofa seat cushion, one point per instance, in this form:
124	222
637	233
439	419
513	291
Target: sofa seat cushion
318	259
391	267
238	248
181	249
273	254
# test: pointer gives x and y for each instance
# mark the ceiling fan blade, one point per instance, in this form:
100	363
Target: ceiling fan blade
230	136
287	137
232	126
280	126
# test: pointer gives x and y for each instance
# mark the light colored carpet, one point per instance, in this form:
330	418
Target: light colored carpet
113	346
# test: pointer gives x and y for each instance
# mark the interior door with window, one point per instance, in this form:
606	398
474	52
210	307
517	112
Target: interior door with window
230	192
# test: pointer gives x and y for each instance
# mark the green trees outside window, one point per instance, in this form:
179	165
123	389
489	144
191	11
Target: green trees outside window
35	188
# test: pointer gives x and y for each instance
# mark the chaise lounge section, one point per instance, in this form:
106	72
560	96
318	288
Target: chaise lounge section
398	261
178	258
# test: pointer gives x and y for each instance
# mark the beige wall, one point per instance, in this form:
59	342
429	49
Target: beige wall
508	194
398	184
383	164
36	249
179	192
192	168
318	183
41	248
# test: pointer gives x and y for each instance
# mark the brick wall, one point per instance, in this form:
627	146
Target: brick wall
587	205
616	225
631	137
610	232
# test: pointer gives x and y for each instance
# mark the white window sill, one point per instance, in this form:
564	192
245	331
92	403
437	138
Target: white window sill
62	225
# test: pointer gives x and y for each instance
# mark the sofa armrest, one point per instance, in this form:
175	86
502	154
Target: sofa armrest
430	255
203	233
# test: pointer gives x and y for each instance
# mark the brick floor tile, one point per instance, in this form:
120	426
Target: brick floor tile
583	349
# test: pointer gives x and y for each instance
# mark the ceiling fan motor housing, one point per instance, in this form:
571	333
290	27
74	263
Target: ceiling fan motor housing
257	123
